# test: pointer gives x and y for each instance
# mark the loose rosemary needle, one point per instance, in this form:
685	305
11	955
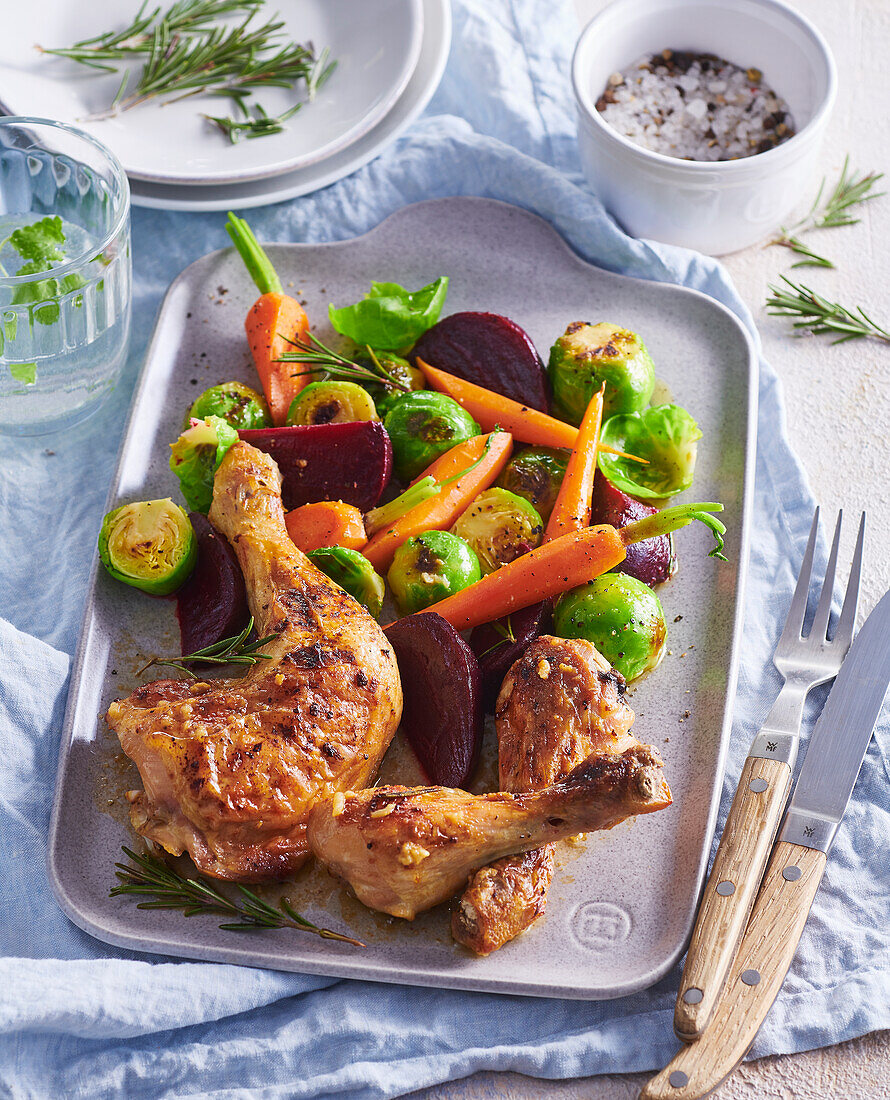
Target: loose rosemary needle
149	876
849	191
228	651
820	316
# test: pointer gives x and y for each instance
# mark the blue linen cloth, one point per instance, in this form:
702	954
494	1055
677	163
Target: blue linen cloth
82	1019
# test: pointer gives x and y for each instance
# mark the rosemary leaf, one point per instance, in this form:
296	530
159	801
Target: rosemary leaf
229	651
811	313
151	876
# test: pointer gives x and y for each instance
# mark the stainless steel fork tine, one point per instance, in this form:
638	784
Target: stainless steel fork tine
843	633
797	611
819	629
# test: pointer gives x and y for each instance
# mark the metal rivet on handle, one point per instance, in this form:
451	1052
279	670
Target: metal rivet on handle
679	1079
750	977
758	786
791	874
725	888
693	995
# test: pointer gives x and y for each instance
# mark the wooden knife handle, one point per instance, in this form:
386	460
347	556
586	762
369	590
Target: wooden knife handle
754	979
730	890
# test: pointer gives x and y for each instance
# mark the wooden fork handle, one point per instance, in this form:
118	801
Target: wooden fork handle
730	890
754	979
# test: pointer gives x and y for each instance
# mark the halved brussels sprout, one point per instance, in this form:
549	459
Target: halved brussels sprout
500	526
386	395
196	456
331	403
353	572
535	475
424	425
621	616
430	567
587	355
235	403
665	435
149	544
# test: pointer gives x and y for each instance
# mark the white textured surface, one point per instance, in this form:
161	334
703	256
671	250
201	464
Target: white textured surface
838	401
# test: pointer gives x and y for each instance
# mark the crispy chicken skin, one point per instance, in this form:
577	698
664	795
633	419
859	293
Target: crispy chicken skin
559	703
403	850
232	768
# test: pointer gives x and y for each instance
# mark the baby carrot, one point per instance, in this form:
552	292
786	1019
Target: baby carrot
326	523
571	510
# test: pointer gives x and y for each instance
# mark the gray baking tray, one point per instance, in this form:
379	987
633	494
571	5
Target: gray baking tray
622	903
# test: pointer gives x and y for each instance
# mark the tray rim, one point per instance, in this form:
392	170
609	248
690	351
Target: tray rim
345	967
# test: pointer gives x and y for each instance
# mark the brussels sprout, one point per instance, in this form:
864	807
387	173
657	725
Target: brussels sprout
195	457
536	475
236	403
621	616
500	526
150	545
353	572
331	403
424	425
386	395
587	355
430	567
665	435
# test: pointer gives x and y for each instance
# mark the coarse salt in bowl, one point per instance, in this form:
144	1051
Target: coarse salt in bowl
712	206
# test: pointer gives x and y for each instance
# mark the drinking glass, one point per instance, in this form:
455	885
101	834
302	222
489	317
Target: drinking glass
65	274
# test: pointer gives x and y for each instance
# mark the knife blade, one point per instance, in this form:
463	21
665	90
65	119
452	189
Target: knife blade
841	736
828	775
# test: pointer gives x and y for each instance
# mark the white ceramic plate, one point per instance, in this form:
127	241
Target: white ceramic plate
303	181
621	906
376	46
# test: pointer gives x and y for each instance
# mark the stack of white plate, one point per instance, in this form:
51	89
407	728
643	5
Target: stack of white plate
390	57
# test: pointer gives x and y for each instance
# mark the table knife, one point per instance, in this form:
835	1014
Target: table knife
837	748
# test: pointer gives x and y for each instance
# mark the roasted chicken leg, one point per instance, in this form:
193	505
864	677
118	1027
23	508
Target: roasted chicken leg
403	850
560	702
232	768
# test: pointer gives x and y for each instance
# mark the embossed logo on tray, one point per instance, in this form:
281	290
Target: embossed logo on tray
600	925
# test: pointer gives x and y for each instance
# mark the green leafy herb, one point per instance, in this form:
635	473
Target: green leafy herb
849	191
185	52
666	436
148	876
390	317
821	317
332	365
236	650
40	246
24	372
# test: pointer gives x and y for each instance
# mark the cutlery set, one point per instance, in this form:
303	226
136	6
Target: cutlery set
749	923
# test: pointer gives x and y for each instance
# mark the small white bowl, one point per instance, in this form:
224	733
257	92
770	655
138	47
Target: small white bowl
715	207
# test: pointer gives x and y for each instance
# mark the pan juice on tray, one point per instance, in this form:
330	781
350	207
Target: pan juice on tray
509	532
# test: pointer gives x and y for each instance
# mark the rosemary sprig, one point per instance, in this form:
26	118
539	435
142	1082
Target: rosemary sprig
849	191
336	366
255	125
507	637
152	877
821	317
228	651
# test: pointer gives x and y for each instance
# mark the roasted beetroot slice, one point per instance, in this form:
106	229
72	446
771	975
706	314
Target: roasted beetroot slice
349	462
442	716
491	351
651	561
496	653
212	604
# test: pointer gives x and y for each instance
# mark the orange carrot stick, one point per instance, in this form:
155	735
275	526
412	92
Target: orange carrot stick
482	457
274	319
492	410
540	574
571	510
326	523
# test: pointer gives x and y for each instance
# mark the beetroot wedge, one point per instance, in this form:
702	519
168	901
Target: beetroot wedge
350	462
651	561
442	715
212	604
491	351
496	652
